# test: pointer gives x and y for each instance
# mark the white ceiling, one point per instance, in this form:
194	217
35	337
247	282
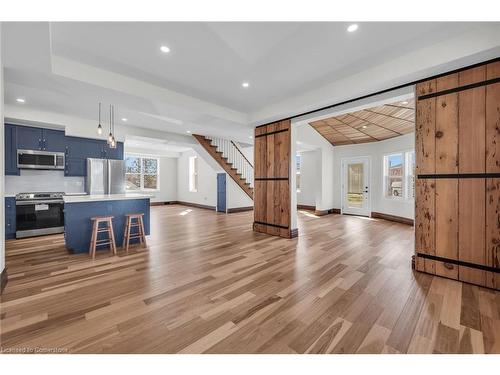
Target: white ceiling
68	67
153	144
211	60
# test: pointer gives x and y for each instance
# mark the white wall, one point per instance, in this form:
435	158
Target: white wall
248	152
235	197
207	181
308	178
310	139
2	165
376	151
168	181
207	184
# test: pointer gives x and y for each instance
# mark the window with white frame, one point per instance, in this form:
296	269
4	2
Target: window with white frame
193	174
399	175
142	173
298	162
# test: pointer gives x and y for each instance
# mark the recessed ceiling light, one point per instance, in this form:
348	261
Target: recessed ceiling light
188	131
364	126
164	49
404	103
20	100
124	119
245	84
352	28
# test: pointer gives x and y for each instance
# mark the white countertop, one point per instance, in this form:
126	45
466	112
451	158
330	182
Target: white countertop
13	195
105	197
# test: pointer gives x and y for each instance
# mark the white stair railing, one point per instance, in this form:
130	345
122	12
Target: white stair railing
232	152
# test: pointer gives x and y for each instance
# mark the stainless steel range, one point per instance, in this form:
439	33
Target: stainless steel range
39	213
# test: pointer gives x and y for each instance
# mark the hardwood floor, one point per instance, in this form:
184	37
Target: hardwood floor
208	283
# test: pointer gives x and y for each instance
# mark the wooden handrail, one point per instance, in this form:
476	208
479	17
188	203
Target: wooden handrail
234	144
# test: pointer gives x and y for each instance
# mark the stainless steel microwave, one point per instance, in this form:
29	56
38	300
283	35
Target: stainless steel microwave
34	159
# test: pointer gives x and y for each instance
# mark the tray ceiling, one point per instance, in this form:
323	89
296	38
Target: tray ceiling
368	125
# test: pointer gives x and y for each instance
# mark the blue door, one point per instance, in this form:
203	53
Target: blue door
221	192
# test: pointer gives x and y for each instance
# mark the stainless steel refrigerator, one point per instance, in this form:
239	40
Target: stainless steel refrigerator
105	176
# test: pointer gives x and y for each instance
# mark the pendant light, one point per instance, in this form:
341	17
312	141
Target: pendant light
110	136
113	141
99	127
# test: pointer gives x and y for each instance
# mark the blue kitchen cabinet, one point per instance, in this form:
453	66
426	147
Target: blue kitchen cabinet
28	138
53	140
10	150
112	153
76	162
120	151
75	167
96	148
10	217
77	147
115	153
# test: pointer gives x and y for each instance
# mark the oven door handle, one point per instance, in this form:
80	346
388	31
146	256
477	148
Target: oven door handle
26	203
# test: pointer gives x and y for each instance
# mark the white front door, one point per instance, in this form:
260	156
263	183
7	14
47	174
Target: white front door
356	186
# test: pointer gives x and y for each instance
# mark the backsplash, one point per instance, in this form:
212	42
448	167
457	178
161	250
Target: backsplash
37	180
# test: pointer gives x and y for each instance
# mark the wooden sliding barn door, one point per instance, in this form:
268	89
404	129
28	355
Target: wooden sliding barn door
457	205
272	213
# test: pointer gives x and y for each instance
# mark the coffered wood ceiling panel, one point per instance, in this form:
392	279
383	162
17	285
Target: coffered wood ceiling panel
368	125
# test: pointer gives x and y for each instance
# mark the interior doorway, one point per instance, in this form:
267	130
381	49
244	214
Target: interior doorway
356	186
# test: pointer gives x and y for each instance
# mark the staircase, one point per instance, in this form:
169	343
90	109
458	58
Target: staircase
231	159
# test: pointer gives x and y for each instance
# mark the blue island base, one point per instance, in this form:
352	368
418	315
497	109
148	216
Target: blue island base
78	227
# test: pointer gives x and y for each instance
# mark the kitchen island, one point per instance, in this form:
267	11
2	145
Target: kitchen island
79	209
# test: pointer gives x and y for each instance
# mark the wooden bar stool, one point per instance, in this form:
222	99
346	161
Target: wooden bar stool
94	242
129	224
